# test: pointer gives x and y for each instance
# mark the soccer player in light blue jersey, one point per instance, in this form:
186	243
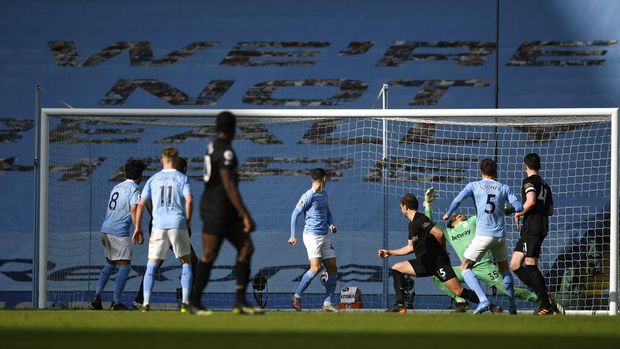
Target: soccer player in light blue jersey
171	198
489	197
121	212
318	223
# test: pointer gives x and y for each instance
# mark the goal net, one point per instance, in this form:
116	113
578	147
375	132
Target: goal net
373	157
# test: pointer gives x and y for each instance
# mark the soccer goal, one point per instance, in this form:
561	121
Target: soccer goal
372	156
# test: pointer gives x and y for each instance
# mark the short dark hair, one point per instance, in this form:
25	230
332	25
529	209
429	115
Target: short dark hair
317	173
532	161
488	167
226	123
181	165
134	169
410	201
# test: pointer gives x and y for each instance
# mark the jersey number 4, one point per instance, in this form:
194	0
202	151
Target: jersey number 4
543	195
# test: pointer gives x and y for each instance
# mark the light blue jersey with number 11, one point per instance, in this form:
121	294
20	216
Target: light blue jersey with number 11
489	197
167	189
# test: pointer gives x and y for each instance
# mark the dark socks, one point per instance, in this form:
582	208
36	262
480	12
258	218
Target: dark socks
470	295
538	284
242	270
524	276
203	272
399	281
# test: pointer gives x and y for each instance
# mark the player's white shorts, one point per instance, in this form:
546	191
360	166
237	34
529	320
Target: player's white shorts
116	248
161	240
319	246
481	244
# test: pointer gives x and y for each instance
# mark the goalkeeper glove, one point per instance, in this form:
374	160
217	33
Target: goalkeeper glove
429	196
508	210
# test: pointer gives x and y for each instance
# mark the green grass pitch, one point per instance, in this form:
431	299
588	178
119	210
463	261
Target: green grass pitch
159	329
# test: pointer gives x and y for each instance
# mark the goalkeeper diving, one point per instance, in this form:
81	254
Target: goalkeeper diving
459	232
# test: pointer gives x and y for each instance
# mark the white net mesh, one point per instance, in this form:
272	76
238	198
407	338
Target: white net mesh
87	155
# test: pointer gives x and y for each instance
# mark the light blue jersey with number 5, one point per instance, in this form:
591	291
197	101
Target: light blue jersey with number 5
489	197
167	190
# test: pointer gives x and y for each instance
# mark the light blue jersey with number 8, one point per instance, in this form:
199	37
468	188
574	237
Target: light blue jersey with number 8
118	214
489	197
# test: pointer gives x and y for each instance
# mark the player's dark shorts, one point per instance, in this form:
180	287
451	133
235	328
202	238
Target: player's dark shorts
441	268
530	244
223	228
532	235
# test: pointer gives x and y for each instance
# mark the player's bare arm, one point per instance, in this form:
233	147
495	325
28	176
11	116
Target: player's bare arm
138	235
235	200
189	208
403	251
439	236
530	202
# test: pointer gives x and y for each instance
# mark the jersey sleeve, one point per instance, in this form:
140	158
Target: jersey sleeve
135	196
330	218
302	206
467	191
146	191
513	199
417	225
187	189
528	186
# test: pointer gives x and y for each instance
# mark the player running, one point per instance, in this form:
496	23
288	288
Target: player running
459	233
318	223
224	216
489	197
428	243
537	208
121	212
170	196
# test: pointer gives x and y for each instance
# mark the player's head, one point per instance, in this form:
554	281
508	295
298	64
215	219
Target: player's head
488	168
408	203
181	165
169	156
532	161
455	220
134	169
319	177
226	124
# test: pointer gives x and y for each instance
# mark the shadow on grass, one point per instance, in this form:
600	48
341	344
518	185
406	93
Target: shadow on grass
289	340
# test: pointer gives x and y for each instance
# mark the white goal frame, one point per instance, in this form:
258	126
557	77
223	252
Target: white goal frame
40	287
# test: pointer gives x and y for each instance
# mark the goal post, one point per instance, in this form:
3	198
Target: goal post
371	152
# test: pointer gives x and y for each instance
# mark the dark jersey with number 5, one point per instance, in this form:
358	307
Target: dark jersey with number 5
426	247
216	205
536	220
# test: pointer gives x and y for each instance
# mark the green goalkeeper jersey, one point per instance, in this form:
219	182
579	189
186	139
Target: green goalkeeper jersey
459	237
